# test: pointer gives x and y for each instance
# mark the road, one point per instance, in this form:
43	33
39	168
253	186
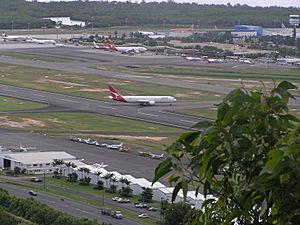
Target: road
68	206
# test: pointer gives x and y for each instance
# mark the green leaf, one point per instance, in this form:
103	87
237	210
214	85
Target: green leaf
202	124
275	157
286	85
264	207
163	168
176	190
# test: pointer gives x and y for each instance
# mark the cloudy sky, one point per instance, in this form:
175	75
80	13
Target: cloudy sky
285	3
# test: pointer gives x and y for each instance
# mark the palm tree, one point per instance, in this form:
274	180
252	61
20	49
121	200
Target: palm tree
98	173
107	177
81	169
58	162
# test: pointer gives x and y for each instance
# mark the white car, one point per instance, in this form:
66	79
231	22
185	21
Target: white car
144	215
115	198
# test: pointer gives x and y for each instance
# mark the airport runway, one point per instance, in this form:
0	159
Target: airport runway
153	114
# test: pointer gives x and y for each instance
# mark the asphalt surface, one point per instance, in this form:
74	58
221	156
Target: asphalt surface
154	114
68	206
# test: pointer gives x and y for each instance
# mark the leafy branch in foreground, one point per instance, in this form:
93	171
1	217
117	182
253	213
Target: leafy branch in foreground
248	159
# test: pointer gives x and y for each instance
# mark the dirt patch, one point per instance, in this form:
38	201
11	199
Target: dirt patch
5	121
61	83
98	90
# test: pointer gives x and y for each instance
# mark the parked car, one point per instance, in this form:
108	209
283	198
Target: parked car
35	179
118	215
33	193
152	209
115	198
144	215
141	205
123	200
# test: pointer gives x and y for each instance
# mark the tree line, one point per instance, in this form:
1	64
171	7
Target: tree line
22	14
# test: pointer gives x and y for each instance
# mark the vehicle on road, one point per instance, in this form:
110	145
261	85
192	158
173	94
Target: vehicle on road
123	200
32	193
144	215
35	179
141	206
152	209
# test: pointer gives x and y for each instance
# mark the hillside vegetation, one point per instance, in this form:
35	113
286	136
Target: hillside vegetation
24	14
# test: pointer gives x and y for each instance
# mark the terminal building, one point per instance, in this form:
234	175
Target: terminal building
248	28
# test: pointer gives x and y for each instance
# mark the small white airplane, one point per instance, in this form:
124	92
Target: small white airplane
142	100
14	37
41	41
155	156
128	50
114	146
156	36
210	60
189	58
245	61
146	33
25	149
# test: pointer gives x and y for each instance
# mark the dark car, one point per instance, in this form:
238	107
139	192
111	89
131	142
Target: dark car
33	193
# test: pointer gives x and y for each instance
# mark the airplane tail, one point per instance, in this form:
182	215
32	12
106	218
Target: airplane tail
115	94
111	45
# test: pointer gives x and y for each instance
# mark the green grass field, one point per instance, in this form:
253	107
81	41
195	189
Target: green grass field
7	104
292	74
62	121
35	57
90	86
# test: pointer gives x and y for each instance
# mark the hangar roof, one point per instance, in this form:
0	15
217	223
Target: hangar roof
37	157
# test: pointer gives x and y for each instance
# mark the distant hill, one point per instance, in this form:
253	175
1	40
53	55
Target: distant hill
20	14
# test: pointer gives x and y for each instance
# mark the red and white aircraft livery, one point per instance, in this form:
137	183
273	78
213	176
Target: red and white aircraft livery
142	100
128	49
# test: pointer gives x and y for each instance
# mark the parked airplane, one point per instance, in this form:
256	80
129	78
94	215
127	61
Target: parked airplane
245	61
146	33
105	48
114	146
155	156
189	58
129	49
157	36
41	41
23	148
142	100
14	37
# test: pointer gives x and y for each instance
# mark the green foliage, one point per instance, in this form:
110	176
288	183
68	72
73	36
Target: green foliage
17	171
112	189
7	219
100	184
146	195
72	177
125	192
248	159
178	213
85	181
106	14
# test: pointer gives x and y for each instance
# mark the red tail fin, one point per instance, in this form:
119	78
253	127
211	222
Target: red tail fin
111	45
115	94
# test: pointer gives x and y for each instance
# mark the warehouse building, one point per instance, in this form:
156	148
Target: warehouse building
35	162
257	29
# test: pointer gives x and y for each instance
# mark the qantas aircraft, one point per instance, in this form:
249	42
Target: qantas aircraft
142	100
105	48
129	49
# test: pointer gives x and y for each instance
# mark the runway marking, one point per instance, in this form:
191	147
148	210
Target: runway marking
39	95
235	66
148	114
107	107
68	100
188	121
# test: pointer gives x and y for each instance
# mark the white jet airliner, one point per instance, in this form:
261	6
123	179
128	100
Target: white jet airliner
14	37
42	41
129	49
142	100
